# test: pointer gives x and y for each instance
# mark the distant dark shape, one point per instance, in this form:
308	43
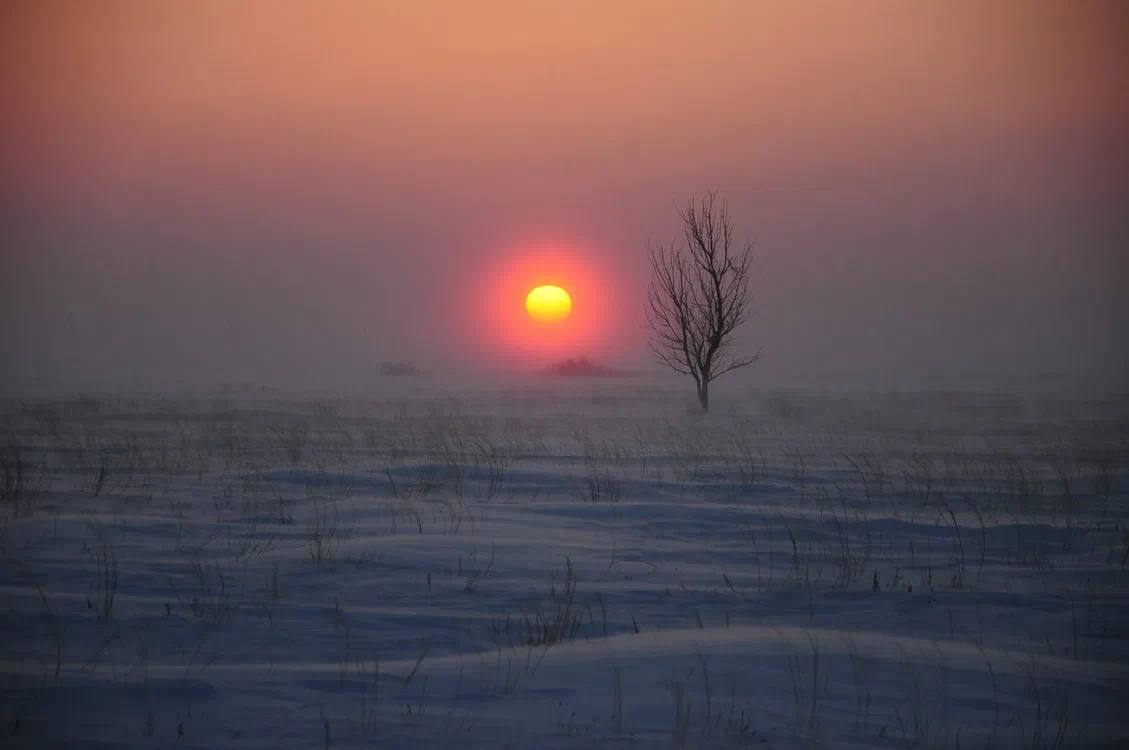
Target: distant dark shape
399	369
699	295
581	367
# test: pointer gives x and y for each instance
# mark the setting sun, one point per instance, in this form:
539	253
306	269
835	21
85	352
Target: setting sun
548	304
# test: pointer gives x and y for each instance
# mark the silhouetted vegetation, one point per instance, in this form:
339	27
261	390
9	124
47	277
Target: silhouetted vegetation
699	295
399	369
581	367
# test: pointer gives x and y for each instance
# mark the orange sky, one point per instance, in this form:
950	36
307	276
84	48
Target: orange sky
481	93
358	156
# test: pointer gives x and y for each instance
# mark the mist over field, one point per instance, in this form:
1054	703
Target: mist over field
603	375
287	194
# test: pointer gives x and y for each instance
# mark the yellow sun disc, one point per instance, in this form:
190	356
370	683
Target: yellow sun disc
548	304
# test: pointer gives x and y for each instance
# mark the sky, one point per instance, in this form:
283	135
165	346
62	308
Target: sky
273	191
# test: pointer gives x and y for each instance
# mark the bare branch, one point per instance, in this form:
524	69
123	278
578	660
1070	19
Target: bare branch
699	295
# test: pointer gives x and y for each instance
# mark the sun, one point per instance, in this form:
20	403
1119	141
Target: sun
548	304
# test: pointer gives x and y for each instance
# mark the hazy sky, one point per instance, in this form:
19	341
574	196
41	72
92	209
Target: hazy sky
259	191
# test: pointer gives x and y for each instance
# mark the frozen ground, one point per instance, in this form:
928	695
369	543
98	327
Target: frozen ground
565	565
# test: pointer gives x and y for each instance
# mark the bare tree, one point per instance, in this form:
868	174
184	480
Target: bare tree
699	295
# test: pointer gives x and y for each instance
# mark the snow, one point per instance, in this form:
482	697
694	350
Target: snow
565	564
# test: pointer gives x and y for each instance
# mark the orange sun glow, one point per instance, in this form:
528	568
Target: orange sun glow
545	304
548	304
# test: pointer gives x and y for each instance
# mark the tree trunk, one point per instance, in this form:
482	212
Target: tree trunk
704	396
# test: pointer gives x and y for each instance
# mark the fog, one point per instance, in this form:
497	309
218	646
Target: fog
296	194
